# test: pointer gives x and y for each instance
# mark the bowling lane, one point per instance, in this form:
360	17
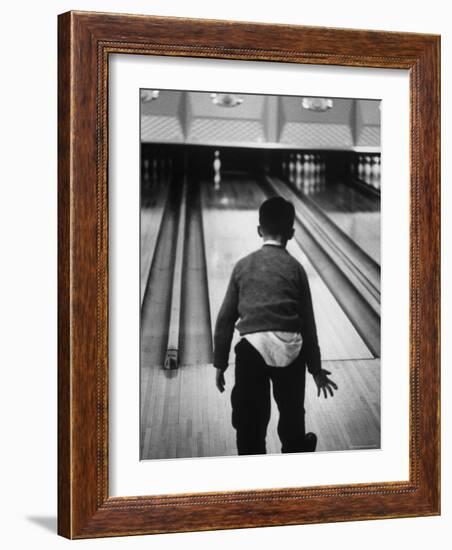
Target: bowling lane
230	220
338	338
195	337
357	214
155	311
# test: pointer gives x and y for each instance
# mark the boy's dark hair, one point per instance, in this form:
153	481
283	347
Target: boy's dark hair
276	216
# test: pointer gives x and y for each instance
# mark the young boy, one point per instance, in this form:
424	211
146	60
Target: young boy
269	293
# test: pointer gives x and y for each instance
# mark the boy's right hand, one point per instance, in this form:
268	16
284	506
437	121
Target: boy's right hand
219	379
324	383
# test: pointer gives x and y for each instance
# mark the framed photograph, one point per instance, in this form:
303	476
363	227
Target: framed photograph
248	275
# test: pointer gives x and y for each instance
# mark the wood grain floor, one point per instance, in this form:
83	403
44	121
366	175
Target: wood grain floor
184	415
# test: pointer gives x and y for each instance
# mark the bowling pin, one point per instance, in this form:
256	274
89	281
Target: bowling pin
312	164
376	166
368	167
307	180
299	166
283	166
375	171
307	166
360	166
299	182
146	175
291	168
216	169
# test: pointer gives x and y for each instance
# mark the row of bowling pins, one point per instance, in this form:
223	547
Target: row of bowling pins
156	168
298	163
216	169
368	169
310	184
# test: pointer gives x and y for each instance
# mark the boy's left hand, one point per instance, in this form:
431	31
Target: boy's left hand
219	380
324	383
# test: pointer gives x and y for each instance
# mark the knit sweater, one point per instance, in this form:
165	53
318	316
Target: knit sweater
268	291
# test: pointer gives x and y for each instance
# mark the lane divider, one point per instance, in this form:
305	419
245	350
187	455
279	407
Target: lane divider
172	352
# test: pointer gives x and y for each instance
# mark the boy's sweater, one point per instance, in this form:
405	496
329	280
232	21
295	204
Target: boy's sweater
268	291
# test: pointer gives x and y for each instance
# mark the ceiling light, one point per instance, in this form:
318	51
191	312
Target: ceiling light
318	104
226	100
149	95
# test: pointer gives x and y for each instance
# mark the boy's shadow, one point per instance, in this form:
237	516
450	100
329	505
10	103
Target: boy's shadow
49	523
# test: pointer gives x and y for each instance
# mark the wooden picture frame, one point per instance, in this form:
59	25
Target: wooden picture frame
85	42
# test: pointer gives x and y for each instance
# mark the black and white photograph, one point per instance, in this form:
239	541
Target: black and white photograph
259	274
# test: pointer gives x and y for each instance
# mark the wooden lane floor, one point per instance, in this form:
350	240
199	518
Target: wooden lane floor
230	221
231	234
195	337
236	192
190	418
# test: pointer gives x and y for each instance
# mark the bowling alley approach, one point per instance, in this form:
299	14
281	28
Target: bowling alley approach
209	160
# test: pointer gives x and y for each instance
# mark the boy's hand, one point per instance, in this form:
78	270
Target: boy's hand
219	380
324	383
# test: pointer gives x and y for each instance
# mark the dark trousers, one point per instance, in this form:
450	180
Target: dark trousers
250	400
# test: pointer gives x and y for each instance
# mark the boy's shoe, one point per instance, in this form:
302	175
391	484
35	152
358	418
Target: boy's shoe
310	442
